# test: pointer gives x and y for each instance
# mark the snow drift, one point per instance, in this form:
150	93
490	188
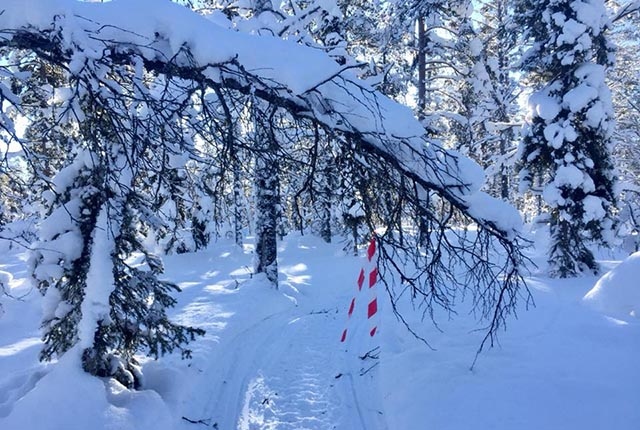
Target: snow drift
617	293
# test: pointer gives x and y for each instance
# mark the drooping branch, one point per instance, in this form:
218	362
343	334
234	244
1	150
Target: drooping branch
626	10
342	105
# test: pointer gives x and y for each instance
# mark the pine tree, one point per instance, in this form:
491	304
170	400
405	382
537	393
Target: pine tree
567	144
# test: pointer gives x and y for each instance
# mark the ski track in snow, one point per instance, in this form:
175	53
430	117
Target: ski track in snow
279	374
288	371
293	384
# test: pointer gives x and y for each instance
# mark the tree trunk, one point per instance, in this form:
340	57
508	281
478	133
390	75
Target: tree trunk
267	196
422	68
237	199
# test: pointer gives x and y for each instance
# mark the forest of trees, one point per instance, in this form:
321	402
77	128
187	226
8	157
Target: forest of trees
131	132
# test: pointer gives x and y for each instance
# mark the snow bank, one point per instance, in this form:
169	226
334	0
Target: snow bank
617	293
68	398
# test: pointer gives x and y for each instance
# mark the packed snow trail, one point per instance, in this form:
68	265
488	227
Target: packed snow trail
293	386
278	362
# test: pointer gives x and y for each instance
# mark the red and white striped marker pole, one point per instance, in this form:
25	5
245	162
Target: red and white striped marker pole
369	275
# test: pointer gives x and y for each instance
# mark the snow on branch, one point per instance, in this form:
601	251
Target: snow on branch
173	40
626	10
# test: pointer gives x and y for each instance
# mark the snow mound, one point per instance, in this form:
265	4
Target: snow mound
68	398
617	293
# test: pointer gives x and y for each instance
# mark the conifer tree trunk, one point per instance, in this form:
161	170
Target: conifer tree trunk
325	196
267	198
237	198
422	68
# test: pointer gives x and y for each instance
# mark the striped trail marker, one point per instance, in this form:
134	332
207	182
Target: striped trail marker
367	280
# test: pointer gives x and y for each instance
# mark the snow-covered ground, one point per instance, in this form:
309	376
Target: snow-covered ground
273	359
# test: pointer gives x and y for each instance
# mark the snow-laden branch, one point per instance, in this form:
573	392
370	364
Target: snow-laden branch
309	84
626	10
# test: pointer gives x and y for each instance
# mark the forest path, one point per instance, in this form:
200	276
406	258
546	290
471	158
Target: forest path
293	385
280	365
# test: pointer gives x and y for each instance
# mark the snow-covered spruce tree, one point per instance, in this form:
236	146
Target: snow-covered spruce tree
220	171
173	203
324	192
310	24
470	84
566	146
137	319
97	213
94	298
370	32
15	214
313	189
321	25
263	19
429	25
50	142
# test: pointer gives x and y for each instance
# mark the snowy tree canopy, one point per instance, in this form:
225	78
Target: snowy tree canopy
172	39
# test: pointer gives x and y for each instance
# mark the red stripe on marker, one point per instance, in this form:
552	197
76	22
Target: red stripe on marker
361	279
372	308
353	305
373	331
373	277
344	335
372	249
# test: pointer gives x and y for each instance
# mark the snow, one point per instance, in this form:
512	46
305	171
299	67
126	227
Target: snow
544	106
569	176
66	397
592	13
330	6
100	282
596	114
61	241
571	30
559	18
475	47
579	97
179	27
617	293
552	195
554	134
593	208
484	206
272	359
